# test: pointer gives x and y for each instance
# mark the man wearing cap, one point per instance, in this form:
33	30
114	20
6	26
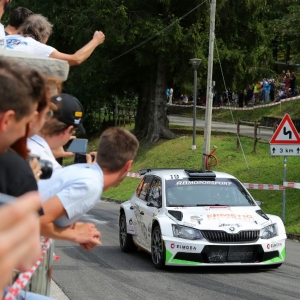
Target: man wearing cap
58	130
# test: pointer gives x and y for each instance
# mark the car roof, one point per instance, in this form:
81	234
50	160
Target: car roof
190	173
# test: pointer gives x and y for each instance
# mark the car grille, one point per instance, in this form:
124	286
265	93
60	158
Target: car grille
218	236
212	254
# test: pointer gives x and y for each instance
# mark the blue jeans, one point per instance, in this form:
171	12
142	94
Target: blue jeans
267	94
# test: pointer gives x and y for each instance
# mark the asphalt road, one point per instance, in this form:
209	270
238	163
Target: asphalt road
264	134
107	273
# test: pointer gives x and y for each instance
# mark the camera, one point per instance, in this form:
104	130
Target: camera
45	165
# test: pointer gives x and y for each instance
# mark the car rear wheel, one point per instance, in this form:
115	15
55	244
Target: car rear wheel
158	249
126	242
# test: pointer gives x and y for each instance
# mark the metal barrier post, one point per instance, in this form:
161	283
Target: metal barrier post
41	280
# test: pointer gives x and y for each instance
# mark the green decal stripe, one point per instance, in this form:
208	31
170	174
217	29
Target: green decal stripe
168	255
185	262
275	259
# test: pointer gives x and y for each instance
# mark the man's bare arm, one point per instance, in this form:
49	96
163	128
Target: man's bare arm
82	54
79	232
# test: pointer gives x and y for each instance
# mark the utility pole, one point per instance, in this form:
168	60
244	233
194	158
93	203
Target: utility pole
209	94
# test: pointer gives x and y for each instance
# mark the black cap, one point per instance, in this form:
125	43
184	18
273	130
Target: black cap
69	110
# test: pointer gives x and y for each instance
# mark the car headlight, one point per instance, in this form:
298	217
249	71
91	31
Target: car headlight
186	232
269	232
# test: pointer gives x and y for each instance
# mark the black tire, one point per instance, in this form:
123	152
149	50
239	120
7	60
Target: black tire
158	249
125	239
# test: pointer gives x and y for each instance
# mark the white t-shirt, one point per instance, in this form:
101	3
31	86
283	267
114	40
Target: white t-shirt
79	188
2	37
27	44
38	146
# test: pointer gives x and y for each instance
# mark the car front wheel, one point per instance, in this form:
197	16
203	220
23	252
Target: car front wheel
126	241
158	249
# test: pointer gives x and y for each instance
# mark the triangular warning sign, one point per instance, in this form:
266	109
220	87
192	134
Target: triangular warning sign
286	133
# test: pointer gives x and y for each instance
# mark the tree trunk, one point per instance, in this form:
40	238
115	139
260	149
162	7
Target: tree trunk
152	122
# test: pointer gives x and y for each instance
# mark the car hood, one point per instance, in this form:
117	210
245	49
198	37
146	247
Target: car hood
228	218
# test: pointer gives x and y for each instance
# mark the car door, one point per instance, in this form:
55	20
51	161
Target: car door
139	208
149	206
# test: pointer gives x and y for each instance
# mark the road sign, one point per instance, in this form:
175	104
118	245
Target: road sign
286	133
284	150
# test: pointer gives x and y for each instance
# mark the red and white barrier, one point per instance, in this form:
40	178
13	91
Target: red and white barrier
25	277
260	186
232	107
294	185
135	175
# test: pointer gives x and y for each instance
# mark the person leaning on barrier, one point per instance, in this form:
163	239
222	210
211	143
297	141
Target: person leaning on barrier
34	34
19	227
16	19
66	116
75	189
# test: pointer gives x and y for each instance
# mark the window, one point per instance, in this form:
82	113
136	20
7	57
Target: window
155	191
143	187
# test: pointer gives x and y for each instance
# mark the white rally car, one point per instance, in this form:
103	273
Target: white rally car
195	218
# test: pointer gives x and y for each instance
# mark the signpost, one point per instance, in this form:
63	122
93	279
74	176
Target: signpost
285	142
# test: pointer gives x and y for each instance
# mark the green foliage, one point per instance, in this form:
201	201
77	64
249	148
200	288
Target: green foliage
139	33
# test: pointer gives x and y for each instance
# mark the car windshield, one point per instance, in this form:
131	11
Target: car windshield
207	192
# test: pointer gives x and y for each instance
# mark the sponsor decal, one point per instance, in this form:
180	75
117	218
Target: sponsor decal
231	229
78	114
276	245
230	216
131	230
197	219
130	222
268	246
179	207
203	182
229	224
185	247
216	207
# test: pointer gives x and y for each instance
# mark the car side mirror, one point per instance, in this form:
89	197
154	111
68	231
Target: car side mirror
153	204
259	203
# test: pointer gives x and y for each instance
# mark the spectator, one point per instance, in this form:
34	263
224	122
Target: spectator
16	19
293	83
185	99
167	94
241	98
272	90
281	95
18	100
4	6
20	88
58	129
19	232
75	189
34	34
171	96
249	94
287	82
